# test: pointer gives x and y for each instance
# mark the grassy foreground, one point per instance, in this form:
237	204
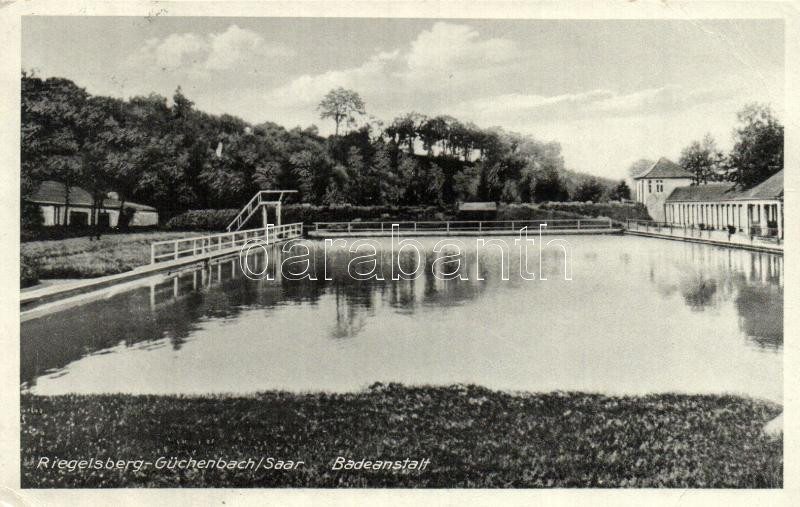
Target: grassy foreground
86	258
473	437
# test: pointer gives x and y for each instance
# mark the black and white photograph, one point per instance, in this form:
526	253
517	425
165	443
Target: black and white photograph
410	252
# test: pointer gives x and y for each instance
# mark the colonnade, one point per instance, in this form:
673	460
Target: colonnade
750	217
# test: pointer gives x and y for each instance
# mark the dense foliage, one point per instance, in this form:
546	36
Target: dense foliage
28	270
616	211
757	152
756	155
474	437
170	155
704	160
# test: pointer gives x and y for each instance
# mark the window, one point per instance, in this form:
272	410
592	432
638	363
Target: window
659	186
649	186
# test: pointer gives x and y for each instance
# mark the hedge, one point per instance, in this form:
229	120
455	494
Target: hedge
218	220
28	271
202	220
618	211
532	212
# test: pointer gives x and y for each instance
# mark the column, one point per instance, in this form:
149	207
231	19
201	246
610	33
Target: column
278	214
779	219
738	216
264	216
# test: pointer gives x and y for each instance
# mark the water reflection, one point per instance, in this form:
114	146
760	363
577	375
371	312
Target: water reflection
761	314
714	277
640	315
698	292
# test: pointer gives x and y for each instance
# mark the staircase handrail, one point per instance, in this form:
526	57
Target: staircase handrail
238	220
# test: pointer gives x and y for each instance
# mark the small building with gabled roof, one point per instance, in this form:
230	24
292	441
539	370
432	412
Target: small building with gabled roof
76	207
661	178
652	187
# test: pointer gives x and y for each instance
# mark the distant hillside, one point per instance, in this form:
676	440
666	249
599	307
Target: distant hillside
574	178
175	157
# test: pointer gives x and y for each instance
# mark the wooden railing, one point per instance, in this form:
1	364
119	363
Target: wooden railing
174	249
464	225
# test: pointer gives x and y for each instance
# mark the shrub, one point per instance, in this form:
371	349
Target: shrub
308	214
218	220
202	220
618	211
30	216
28	271
532	212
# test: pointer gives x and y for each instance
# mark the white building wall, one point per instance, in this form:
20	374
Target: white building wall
143	218
49	214
653	193
719	215
140	218
646	187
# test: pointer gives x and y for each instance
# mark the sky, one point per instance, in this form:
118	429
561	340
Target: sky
609	91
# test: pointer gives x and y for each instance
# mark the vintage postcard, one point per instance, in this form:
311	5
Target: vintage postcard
341	248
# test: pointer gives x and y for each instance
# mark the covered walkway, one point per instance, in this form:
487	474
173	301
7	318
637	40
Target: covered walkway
755	213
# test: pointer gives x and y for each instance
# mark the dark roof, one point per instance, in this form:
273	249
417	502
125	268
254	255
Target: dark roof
771	188
708	192
477	206
665	168
54	192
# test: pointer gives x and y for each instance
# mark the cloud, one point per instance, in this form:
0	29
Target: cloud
600	103
444	60
448	50
372	75
174	51
200	56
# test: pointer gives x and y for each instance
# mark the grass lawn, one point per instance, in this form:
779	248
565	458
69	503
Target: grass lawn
474	437
85	258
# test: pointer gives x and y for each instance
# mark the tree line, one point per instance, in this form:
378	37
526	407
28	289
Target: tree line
756	155
176	157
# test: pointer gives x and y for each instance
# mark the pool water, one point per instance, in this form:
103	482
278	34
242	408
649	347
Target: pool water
640	315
